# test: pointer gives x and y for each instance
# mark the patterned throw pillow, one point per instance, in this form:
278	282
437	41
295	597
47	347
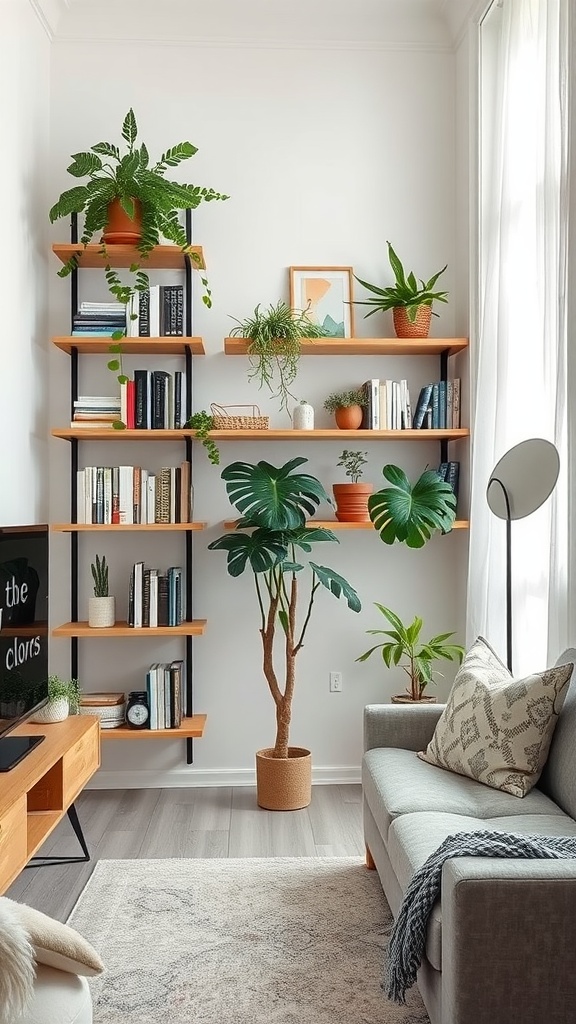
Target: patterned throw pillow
497	729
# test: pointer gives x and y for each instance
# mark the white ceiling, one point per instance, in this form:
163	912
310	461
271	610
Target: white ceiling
434	24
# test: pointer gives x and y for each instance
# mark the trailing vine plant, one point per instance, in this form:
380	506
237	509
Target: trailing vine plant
202	422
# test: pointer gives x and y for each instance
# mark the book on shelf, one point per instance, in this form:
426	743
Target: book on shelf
99	319
165	689
154	400
133	495
160	602
438	406
158	312
387	405
450	472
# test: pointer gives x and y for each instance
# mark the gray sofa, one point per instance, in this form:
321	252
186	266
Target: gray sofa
501	941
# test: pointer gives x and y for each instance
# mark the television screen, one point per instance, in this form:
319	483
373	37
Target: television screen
23	622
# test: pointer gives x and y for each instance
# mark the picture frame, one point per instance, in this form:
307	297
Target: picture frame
327	293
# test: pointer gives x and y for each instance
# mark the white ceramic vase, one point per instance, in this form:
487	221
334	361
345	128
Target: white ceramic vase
303	416
101	612
54	711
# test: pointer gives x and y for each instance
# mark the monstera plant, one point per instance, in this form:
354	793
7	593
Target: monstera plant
412	513
274	504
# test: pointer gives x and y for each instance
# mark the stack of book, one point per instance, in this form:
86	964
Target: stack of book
450	472
387	405
157	312
110	708
438	406
154	400
166	698
155	598
99	319
133	495
93	412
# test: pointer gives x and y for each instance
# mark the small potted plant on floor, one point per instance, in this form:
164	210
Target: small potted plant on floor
404	642
347	407
101	607
410	300
63	700
274	350
274	504
352	498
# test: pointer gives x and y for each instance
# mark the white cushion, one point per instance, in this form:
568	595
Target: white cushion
55	944
59	998
497	729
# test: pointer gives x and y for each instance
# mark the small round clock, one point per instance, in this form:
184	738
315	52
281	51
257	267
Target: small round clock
137	710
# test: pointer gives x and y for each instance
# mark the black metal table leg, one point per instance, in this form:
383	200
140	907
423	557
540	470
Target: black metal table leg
41	862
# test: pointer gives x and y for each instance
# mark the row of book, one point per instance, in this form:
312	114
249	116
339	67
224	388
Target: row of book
130	494
157	312
166	694
154	400
388	405
438	406
95	411
155	598
99	319
450	472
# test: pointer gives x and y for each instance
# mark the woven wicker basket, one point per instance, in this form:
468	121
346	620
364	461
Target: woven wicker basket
284	784
226	418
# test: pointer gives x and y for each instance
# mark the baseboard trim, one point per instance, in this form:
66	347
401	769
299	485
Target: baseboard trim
192	777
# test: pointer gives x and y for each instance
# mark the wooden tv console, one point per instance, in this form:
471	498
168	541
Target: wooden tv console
37	793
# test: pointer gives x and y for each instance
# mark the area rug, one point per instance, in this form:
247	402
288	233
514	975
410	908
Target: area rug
297	940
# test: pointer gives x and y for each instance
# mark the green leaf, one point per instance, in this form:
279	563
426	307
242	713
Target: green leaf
261	550
107	149
174	156
129	128
114	348
84	164
144	158
71	201
412	514
275	498
123	379
283	616
114	364
396	266
118	425
337	585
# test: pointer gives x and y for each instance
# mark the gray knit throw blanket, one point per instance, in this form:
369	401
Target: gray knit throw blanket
408	939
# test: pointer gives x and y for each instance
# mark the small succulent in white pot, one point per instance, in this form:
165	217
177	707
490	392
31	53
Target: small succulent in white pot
63	699
101	607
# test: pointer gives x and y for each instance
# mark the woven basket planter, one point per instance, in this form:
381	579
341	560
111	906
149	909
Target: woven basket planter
403	698
226	419
56	710
406	329
284	783
101	612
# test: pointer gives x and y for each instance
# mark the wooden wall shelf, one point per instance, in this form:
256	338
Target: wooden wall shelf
191	728
76	433
121	527
363	346
195	628
131	346
162	257
333	524
109	434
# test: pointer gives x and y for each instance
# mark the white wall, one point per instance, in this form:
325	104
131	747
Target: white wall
325	155
24	113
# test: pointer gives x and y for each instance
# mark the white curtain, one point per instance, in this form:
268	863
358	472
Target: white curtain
519	363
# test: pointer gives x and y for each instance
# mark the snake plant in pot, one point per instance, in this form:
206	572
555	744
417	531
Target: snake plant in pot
274	504
410	301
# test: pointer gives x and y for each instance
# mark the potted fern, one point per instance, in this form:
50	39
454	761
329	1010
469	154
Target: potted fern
410	300
404	643
63	700
101	607
274	350
127	197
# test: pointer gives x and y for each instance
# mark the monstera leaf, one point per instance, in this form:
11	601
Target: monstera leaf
276	499
412	513
263	549
337	585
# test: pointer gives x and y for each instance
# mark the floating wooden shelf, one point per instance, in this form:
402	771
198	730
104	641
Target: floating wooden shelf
195	628
136	346
162	257
338	435
333	524
109	434
191	728
120	527
362	346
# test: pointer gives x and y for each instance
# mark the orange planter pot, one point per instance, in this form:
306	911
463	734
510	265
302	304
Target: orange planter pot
352	502
348	417
406	329
121	229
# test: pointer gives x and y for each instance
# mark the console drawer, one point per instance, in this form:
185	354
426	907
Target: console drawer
80	763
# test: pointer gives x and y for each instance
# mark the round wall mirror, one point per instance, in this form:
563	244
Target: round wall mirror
528	473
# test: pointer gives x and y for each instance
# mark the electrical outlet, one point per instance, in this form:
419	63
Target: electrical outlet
335	682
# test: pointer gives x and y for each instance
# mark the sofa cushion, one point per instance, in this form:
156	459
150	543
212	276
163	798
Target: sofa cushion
412	838
558	779
396	782
495	728
55	944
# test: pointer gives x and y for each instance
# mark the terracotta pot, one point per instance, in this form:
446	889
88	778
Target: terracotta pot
284	783
403	698
352	502
348	417
120	229
406	329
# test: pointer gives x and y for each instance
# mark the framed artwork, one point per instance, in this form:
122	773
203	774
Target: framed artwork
326	294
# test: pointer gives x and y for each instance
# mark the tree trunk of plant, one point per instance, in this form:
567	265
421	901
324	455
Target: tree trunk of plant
283	701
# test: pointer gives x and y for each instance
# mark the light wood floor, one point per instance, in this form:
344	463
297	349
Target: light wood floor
189	823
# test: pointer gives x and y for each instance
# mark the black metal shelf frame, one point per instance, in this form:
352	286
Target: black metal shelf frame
74	536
